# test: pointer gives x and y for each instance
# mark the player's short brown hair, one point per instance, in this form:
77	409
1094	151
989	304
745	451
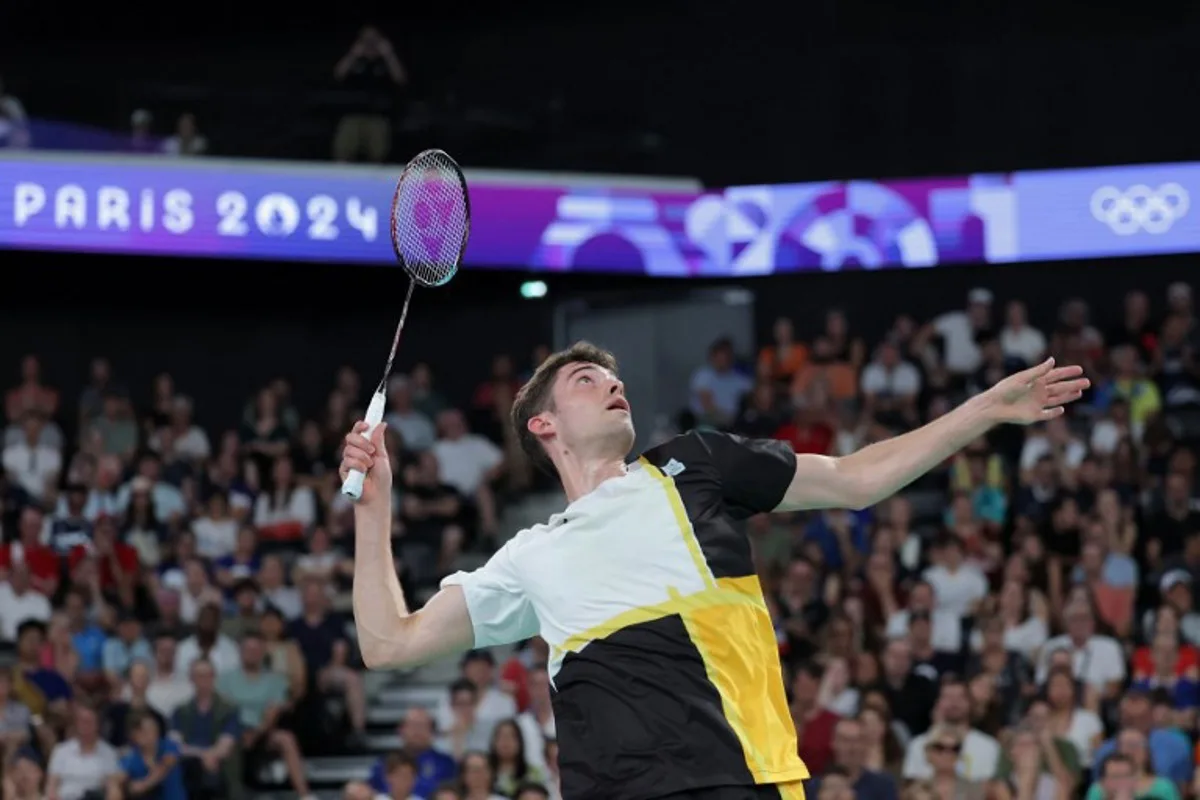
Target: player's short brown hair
537	395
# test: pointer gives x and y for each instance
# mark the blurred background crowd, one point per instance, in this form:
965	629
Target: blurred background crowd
1021	624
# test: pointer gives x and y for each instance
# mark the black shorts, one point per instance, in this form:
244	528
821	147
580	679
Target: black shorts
790	791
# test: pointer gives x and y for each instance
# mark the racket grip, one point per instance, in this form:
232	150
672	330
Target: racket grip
352	487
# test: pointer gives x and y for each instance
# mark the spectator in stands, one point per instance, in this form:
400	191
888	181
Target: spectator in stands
115	432
508	760
151	767
23	778
19	601
1145	782
187	139
433	766
275	592
414	427
849	753
433	515
1019	340
371	76
216	530
31	394
718	387
168	499
976	753
464	731
30	464
169	687
208	643
198	592
207	730
890	387
242	563
84	763
288	509
779	361
125	648
133	700
471	464
15	720
492	704
323	562
261	697
814	724
1155	750
537	721
321	636
477	778
1097	660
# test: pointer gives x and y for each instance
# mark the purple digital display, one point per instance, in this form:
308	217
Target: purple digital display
299	212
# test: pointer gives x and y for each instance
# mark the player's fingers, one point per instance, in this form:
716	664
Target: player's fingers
377	437
357	438
361	462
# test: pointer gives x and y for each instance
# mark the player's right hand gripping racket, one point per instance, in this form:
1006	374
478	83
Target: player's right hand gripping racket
431	223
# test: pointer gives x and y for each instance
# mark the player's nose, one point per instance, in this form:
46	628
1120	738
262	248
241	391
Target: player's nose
616	387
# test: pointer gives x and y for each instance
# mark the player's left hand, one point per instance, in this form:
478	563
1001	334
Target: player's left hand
1037	394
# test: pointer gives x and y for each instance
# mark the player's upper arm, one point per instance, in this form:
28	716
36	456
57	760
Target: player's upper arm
442	627
493	596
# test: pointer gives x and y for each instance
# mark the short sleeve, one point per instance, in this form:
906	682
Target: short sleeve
754	473
500	611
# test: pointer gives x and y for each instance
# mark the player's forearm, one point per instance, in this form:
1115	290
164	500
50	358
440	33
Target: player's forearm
380	613
884	468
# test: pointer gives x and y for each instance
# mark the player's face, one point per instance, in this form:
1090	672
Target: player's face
591	414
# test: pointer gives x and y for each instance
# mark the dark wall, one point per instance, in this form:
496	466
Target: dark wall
223	328
732	92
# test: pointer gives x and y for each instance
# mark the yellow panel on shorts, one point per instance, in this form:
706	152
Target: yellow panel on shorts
737	643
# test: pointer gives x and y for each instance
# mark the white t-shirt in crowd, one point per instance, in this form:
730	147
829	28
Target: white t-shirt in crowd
31	467
15	609
192	446
962	354
494	707
1037	446
1026	638
285	600
215	538
1027	344
465	460
168	692
899	381
535	735
1099	662
300	506
957	591
224	655
79	772
414	428
946	629
1083	731
976	762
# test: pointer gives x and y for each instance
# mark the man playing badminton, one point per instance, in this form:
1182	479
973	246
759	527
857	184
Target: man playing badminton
662	653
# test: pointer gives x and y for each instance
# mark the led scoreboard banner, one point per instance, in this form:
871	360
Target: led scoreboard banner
288	211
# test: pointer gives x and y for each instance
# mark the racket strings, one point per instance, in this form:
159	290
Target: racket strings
431	218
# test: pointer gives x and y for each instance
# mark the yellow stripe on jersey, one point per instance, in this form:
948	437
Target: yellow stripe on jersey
737	644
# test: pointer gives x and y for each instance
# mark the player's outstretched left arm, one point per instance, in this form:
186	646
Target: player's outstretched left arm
882	469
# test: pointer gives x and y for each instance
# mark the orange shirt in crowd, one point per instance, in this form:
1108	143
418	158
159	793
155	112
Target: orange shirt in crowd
782	364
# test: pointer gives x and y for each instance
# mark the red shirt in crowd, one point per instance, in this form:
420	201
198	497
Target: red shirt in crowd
816	741
1143	662
814	438
42	561
127	559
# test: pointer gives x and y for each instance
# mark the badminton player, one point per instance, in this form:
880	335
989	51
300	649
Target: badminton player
663	658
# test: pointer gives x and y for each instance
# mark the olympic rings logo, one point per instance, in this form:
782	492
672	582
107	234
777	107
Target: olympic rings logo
1140	208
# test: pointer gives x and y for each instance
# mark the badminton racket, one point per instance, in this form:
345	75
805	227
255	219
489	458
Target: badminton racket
430	226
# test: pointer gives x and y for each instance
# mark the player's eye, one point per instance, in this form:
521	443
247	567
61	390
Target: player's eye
583	378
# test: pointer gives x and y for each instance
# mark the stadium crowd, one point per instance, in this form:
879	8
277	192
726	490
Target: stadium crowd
1020	624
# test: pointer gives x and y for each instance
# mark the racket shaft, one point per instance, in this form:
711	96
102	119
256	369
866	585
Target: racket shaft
352	487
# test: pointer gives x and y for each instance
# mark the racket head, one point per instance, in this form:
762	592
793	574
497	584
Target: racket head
431	218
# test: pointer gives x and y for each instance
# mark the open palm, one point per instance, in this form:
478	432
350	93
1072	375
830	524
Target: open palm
1038	393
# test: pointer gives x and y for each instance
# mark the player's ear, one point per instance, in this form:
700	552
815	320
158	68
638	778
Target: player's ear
541	425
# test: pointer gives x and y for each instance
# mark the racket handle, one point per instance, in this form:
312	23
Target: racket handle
352	487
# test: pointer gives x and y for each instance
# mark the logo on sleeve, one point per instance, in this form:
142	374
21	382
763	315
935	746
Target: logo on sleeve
672	468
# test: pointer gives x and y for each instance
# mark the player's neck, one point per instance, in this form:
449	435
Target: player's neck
581	476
